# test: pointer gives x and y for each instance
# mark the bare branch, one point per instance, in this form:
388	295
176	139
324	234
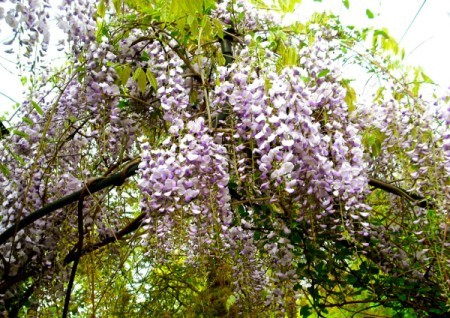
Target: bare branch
114	180
129	228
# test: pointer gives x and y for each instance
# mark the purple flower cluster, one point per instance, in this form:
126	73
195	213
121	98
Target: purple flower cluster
297	130
243	16
184	184
30	21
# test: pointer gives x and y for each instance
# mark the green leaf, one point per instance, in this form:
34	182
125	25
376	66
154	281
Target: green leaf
242	211
426	78
37	107
220	58
218	27
123	103
27	120
257	235
20	133
305	311
351	279
101	9
125	74
151	79
287	6
117	5
323	73
350	96
4	170
144	56
346	3
230	302
141	78
383	33
369	14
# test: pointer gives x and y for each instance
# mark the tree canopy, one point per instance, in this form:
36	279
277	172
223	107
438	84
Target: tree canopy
201	158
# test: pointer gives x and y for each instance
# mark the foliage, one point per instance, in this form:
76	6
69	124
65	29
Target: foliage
199	159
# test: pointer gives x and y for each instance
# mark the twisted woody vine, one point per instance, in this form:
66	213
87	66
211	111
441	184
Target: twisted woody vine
204	159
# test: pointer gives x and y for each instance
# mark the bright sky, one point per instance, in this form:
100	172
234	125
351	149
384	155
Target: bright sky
425	38
426	42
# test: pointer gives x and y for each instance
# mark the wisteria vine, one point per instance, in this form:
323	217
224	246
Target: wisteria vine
257	171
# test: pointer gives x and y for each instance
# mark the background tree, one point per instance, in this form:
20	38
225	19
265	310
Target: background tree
196	158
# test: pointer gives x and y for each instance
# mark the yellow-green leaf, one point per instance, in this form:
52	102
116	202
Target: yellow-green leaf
346	3
141	78
151	79
230	302
101	8
37	107
323	73
20	133
220	58
426	78
350	97
287	6
117	5
125	73
27	120
218	27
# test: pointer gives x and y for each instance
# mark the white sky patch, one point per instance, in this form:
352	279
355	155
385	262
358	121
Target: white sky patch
426	43
12	90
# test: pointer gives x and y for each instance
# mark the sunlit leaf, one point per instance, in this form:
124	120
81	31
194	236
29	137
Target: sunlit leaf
230	302
151	79
37	107
287	6
27	120
426	78
125	75
117	5
101	8
350	97
346	3
323	73
141	78
369	14
20	133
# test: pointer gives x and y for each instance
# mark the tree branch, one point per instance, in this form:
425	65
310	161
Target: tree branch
114	180
129	228
411	197
79	248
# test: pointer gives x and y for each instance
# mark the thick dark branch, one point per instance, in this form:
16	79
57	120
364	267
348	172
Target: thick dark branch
411	197
379	301
8	282
102	183
129	228
79	248
17	304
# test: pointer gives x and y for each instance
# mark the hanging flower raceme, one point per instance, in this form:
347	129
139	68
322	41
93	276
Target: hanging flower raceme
184	184
297	131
